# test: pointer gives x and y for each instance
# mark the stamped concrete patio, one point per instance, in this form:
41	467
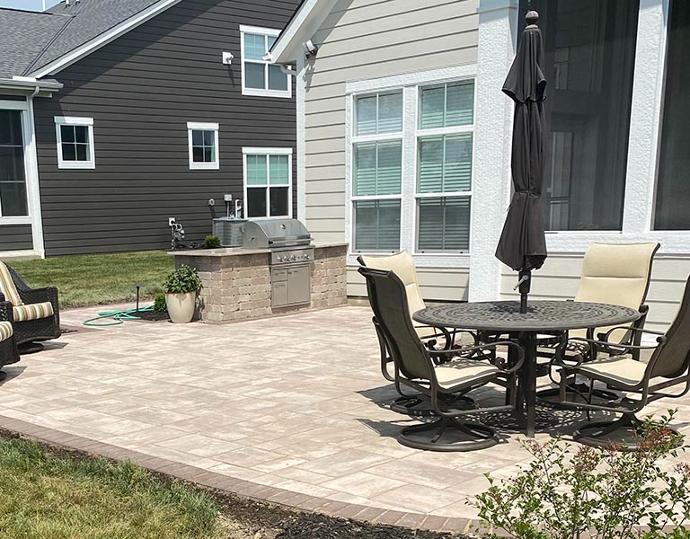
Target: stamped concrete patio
290	403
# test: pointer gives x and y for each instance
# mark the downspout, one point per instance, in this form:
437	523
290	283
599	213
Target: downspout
35	205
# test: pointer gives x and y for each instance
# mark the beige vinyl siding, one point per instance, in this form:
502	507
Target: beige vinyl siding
447	284
365	39
559	279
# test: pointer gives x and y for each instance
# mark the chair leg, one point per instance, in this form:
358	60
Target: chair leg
623	434
447	434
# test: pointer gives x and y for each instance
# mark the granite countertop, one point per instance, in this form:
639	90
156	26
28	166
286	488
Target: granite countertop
241	251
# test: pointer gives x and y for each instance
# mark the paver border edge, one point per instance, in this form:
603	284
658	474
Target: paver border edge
239	487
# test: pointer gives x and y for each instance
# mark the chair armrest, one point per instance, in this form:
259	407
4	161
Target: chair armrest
605	336
610	347
495	359
6	311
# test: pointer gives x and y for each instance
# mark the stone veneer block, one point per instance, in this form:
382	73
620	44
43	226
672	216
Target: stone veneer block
237	282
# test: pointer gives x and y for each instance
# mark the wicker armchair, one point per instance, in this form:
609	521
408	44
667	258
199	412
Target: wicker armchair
8	345
437	374
35	311
613	365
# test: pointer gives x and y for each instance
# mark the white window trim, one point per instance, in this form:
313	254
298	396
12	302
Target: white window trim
34	217
257	92
89	164
373	138
247	150
435	132
409	84
203	126
24	109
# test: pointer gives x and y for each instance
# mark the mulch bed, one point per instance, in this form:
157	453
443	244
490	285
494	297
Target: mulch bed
153	316
268	521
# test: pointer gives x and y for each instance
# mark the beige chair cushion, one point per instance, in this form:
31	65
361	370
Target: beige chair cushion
621	369
7	286
34	311
402	264
6	331
617	274
463	371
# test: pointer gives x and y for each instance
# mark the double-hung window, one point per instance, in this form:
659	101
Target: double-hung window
13	200
377	172
444	166
260	77
267	182
75	148
203	146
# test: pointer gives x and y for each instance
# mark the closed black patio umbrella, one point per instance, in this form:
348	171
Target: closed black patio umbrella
522	245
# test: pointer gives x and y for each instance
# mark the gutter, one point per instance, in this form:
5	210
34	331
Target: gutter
30	85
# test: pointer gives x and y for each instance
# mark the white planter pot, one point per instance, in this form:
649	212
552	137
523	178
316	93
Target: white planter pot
181	307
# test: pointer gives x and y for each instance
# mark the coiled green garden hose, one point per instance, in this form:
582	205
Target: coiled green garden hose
118	317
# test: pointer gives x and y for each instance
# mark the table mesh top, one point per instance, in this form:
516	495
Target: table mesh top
540	316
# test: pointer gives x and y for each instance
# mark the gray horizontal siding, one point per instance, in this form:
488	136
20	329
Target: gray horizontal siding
141	90
364	39
15	238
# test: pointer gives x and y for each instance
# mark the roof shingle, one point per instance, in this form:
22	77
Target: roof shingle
31	40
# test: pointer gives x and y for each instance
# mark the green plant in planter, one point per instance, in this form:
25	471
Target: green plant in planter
159	305
211	242
182	281
567	491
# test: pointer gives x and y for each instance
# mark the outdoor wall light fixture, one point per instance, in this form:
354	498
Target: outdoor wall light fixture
310	49
227	58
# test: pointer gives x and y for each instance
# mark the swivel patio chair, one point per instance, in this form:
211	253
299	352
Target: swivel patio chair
402	264
35	311
460	371
611	273
612	363
8	346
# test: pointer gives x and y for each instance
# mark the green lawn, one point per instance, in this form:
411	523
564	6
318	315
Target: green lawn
98	279
50	496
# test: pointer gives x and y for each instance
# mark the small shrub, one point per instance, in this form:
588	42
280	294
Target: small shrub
159	305
565	493
183	280
211	242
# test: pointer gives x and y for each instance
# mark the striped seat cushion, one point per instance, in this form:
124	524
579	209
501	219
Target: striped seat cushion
34	311
5	331
7	286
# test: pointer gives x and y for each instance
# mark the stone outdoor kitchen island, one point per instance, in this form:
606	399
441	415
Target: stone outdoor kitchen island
237	283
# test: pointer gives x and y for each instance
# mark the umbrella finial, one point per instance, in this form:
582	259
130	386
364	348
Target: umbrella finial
532	17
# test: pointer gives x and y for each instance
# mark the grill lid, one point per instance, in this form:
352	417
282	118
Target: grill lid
268	233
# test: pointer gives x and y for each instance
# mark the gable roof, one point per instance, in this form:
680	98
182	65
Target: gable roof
24	37
43	43
304	23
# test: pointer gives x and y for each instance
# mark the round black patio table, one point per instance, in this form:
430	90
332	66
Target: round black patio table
541	317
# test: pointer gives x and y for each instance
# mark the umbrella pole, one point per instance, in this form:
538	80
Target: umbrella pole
525	280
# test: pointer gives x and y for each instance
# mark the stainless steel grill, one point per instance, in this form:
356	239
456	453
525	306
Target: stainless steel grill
291	257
